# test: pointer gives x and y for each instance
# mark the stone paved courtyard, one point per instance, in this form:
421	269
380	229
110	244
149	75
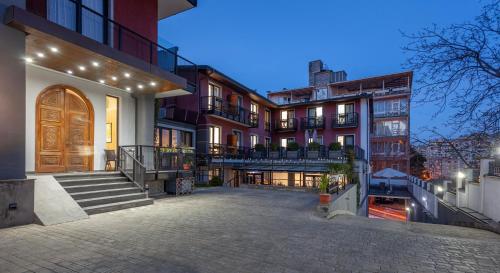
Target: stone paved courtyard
218	230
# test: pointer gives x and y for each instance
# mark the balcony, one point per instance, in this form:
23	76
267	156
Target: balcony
174	113
218	107
221	151
286	125
313	123
347	120
391	114
89	45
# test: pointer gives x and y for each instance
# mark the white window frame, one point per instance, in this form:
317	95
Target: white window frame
252	145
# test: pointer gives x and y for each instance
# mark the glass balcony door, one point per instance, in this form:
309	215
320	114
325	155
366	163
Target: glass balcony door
345	113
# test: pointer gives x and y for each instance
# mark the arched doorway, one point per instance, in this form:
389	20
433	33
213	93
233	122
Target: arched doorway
64	131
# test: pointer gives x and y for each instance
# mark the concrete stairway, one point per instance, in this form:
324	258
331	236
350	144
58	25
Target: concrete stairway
102	192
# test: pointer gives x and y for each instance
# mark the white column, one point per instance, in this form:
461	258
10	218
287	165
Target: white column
145	119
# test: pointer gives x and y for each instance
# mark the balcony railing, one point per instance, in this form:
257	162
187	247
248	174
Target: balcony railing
313	123
94	25
221	151
218	106
267	126
347	120
391	133
284	125
391	114
178	114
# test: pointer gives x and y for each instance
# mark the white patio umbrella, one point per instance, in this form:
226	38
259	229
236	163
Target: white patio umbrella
389	173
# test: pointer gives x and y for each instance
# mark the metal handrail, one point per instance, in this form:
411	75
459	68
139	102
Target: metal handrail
219	106
286	124
131	167
313	122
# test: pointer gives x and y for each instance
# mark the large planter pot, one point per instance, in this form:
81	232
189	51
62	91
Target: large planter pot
312	154
334	154
325	198
275	154
292	154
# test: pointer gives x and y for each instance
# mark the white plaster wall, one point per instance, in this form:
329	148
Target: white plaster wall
491	201
474	196
37	79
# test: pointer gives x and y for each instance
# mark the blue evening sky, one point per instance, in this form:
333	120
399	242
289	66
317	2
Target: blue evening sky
267	44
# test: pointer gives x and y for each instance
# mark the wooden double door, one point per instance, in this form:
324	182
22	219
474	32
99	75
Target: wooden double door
64	131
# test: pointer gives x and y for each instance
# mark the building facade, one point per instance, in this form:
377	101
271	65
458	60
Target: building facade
389	111
79	78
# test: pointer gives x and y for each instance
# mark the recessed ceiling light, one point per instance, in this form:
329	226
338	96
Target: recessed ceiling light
28	59
128	88
102	81
95	64
152	83
70	71
40	55
54	49
82	68
114	78
127	75
140	86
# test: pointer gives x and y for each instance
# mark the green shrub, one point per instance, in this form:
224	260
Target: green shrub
216	181
335	146
323	184
292	146
260	148
274	147
314	146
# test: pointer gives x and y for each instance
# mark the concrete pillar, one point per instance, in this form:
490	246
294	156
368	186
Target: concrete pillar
12	98
145	119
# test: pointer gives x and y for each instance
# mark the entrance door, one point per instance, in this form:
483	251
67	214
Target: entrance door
65	131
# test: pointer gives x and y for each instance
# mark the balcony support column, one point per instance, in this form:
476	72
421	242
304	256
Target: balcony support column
145	119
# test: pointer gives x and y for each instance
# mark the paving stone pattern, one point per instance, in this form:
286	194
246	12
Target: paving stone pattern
244	230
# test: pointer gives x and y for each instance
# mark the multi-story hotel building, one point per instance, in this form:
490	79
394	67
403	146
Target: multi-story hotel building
243	137
389	111
79	80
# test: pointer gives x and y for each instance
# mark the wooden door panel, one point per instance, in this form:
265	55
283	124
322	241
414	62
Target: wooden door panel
64	131
50	145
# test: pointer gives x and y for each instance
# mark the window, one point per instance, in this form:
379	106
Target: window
345	113
319	140
168	137
254	108
285	141
254	139
214	97
287	119
111	123
267	120
239	137
346	140
254	114
214	140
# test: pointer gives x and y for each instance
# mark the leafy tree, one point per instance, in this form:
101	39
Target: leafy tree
417	161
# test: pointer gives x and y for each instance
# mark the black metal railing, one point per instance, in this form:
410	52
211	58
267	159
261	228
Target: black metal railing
313	123
178	114
254	120
94	25
289	124
131	167
220	107
155	159
267	126
388	114
388	132
345	120
222	151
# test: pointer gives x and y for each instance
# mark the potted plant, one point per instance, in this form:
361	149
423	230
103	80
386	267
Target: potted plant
324	197
313	150
259	150
292	150
187	164
216	181
334	150
275	153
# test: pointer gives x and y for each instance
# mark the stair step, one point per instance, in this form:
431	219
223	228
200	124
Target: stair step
65	176
92	180
103	193
118	206
97	187
110	199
